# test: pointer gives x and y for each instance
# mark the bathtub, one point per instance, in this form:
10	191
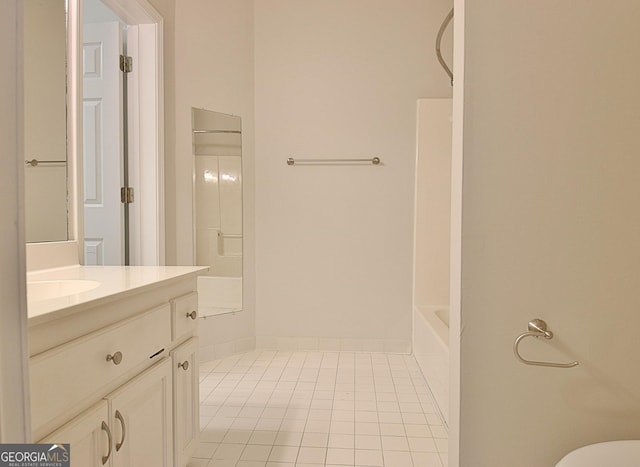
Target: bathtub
431	350
219	295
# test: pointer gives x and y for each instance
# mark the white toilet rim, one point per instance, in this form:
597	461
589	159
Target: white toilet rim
620	453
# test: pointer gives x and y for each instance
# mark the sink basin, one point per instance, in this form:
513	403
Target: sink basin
46	290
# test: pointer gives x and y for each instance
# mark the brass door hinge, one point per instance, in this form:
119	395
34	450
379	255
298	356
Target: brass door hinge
126	195
126	64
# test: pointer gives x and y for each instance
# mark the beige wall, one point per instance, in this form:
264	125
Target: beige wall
14	381
550	228
214	70
334	244
365	100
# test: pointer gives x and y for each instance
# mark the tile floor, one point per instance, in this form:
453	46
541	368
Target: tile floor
308	409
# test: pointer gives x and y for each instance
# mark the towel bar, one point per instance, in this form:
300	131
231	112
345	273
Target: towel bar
292	161
36	162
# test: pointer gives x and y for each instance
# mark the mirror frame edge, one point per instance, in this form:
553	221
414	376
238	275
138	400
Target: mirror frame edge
74	125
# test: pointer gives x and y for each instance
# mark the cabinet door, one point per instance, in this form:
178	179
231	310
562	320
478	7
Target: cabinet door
186	401
81	370
142	420
89	436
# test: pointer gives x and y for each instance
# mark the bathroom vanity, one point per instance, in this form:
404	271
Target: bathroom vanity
114	363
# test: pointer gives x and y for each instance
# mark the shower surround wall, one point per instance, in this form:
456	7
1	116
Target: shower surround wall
334	243
432	246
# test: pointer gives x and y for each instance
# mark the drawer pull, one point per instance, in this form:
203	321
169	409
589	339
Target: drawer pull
192	315
116	358
105	427
124	430
184	365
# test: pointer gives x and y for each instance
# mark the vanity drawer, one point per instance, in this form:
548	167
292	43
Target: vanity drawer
68	376
184	315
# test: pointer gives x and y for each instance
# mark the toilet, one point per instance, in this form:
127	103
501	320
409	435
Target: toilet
609	454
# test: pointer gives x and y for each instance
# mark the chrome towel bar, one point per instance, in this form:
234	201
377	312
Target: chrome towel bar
292	161
538	328
36	162
233	132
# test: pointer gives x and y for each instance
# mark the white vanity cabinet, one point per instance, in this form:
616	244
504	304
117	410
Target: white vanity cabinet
141	417
186	410
184	315
88	435
80	370
130	427
187	401
118	378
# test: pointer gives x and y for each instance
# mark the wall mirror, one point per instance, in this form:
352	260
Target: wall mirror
73	165
45	120
217	153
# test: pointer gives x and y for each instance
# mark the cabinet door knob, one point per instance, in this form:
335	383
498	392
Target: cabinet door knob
124	430
116	358
192	315
105	427
184	365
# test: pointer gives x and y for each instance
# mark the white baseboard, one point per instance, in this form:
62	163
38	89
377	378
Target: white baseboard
402	346
215	351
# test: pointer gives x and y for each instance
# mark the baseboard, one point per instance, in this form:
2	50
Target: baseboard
402	346
215	351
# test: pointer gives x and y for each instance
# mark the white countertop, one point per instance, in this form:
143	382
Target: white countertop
114	282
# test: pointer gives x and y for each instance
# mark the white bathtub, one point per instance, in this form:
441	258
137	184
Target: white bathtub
219	295
431	349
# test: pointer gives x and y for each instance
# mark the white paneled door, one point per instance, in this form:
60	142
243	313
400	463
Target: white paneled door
102	144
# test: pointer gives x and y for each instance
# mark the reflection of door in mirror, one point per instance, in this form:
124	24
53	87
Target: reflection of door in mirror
45	131
217	149
121	152
103	136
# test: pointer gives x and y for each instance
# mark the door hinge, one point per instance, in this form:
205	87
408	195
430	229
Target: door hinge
126	195
126	64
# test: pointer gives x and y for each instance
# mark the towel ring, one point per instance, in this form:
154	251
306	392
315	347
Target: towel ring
538	328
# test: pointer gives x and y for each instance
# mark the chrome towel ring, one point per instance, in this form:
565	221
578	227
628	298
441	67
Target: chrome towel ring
538	328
